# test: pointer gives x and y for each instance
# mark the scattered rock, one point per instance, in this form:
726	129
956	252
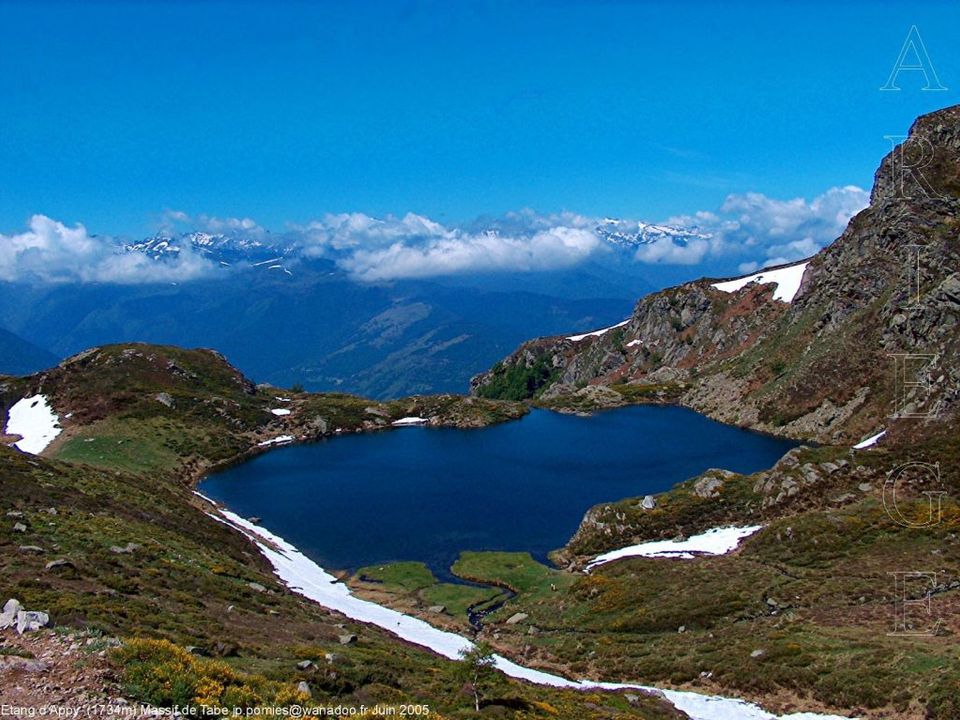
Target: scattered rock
809	473
30	620
224	649
32	549
757	653
22	664
196	650
347	639
303	687
439	609
14	514
517	618
865	487
128	548
19	527
682	629
256	586
534	630
59	563
708	486
164	399
8	618
304	665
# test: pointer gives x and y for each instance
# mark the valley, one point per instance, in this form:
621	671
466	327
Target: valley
827	602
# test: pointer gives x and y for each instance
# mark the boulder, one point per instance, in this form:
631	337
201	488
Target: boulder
517	618
708	486
304	688
649	502
304	665
256	586
347	639
59	563
8	618
28	621
439	609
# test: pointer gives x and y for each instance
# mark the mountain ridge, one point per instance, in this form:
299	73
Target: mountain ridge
818	367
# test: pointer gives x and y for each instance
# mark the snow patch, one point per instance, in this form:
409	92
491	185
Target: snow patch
787	280
870	441
35	421
718	541
305	577
412	420
280	411
279	440
597	333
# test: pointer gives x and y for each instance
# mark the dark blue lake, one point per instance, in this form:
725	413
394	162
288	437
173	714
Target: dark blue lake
426	494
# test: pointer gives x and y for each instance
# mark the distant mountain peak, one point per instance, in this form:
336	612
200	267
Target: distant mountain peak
225	249
633	233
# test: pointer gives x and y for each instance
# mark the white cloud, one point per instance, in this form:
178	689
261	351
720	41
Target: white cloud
666	251
769	230
49	251
772	231
180	220
751	227
374	249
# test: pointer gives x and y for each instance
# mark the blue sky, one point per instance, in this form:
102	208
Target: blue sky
116	112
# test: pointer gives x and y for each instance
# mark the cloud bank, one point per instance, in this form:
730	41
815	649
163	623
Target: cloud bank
50	252
413	246
766	230
750	229
761	230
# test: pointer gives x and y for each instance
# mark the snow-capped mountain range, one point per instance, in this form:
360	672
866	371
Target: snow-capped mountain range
219	247
230	249
631	233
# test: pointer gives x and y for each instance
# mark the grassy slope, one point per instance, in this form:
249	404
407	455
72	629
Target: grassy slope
188	580
813	592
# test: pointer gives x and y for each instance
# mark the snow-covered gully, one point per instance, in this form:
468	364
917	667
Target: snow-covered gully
305	577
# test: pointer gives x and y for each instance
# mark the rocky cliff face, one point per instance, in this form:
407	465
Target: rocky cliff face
822	366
